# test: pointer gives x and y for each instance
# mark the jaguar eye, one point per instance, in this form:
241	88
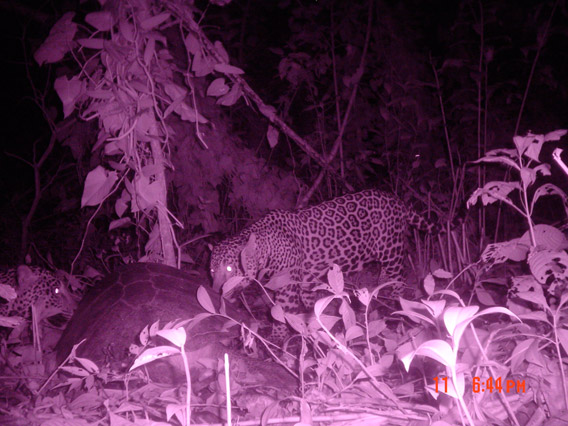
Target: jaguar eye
229	268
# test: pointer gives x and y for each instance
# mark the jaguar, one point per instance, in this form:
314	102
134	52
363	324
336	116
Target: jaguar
351	231
36	286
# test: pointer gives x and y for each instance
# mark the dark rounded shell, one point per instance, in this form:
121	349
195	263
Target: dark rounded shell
113	313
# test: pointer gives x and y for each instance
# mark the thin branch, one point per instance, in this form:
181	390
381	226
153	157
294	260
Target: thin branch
541	42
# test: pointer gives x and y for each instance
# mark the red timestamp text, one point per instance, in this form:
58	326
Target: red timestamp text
489	384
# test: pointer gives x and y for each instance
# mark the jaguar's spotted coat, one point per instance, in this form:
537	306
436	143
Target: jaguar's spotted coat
39	287
350	231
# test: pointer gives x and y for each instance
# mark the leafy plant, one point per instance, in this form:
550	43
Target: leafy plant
542	246
129	80
456	320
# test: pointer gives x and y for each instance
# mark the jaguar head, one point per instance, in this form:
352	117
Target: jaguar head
233	257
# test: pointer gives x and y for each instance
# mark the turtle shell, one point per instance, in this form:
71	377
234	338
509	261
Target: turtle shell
112	314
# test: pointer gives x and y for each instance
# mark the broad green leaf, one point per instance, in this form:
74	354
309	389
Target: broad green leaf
127	30
563	300
231	284
277	313
228	69
531	144
177	336
376	327
436	307
154	21
91	43
496	156
322	303
153	354
546	236
353	332
221	51
417	312
465	319
429	284
550	189
454	316
89	365
335	279
279	280
518	355
534	142
98	184
143	335
492	192
497	253
438	350
443	274
379	369
201	65
484	296
149	50
192	44
188	113
69	91
295	322
76	371
232	97
102	21
545	263
121	204
147	193
554	135
528	176
347	314
363	296
535	316
205	300
217	88
58	42
272	136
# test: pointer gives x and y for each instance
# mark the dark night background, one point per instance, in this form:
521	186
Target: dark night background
394	136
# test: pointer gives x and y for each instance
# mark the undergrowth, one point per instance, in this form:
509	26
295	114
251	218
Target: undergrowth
460	362
438	358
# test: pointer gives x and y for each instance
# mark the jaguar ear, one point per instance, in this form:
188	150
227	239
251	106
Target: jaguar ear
251	240
26	277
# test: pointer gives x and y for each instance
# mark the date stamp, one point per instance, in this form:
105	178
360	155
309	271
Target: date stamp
481	385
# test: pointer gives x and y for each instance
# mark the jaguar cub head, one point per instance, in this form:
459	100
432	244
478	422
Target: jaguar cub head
39	287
